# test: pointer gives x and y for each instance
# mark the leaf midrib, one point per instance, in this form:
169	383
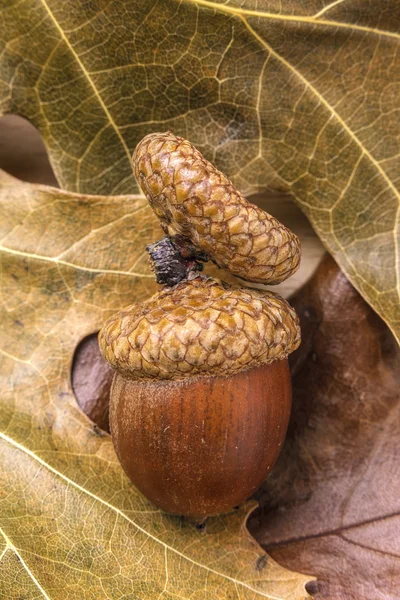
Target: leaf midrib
330	532
119	512
12	548
313	20
65	263
90	81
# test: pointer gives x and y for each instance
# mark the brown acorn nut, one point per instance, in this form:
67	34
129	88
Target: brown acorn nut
193	199
201	399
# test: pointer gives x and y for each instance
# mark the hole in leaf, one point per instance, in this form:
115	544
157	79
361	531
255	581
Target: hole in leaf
22	151
202	527
312	587
91	381
261	562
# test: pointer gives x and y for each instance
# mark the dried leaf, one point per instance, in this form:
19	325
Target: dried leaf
333	499
91	380
73	526
303	98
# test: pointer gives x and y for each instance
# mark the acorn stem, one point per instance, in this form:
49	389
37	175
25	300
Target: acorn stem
173	258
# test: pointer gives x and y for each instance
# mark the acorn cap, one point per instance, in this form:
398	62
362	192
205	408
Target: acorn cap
200	326
192	198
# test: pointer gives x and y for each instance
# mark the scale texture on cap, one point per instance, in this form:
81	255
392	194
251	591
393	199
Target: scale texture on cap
192	198
199	327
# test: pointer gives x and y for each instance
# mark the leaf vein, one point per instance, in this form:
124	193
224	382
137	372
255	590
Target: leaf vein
10	546
313	20
351	134
69	481
65	263
89	80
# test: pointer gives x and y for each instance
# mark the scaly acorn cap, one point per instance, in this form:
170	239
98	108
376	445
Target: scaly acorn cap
192	198
200	326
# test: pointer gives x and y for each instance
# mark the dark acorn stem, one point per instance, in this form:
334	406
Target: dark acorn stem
174	258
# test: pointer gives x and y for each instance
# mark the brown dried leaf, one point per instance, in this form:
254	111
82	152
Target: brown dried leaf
333	501
297	96
73	526
91	380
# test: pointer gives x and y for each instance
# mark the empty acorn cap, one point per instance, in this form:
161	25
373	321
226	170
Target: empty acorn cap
192	198
199	327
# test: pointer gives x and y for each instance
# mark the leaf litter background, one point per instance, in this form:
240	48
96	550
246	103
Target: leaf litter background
51	71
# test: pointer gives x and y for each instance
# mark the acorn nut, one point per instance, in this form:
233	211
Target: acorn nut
201	397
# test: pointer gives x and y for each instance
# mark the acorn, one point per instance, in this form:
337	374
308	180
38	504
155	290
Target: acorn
201	398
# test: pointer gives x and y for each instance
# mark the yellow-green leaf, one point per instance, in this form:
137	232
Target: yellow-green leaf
301	96
73	526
